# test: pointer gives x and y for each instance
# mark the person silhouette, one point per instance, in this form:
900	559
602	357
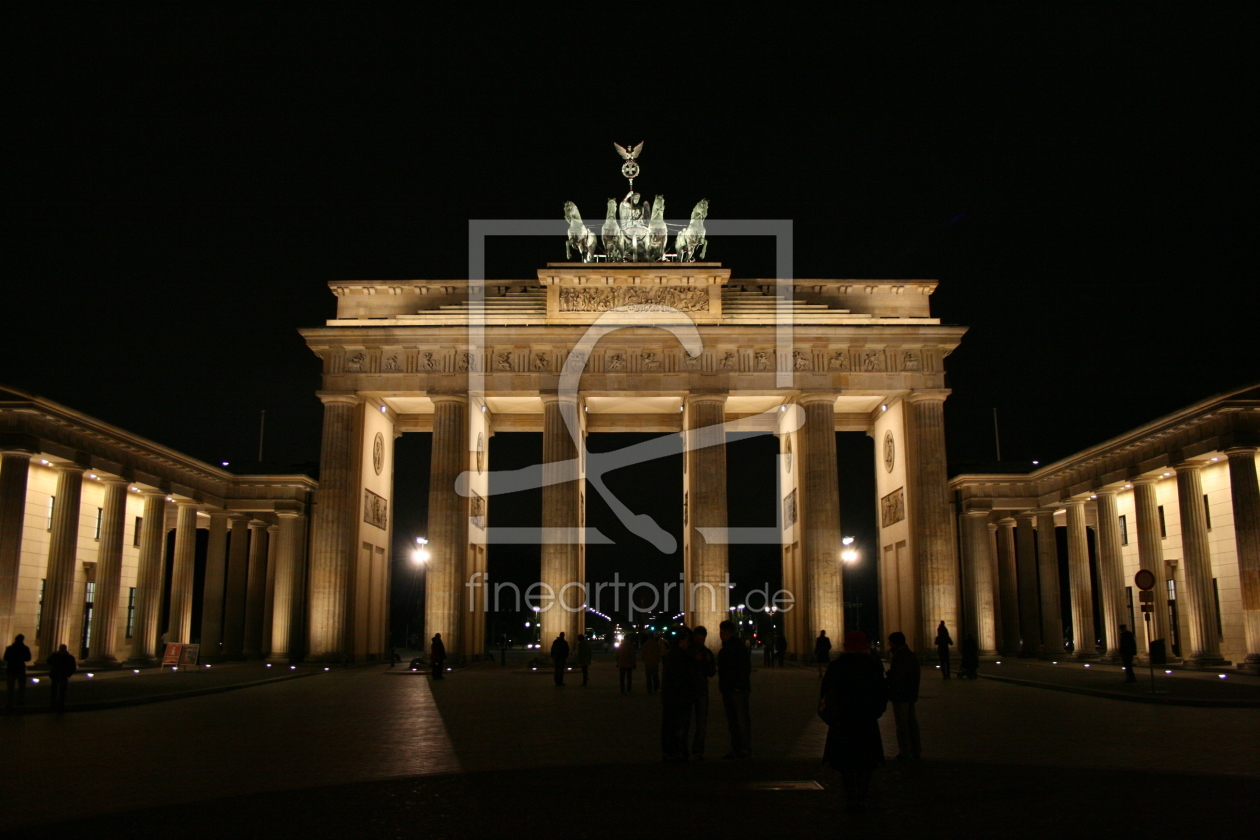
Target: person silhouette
437	656
1128	650
16	656
853	697
943	641
559	657
822	651
60	666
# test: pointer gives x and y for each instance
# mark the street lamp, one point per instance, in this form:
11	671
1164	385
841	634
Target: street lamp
849	554
421	554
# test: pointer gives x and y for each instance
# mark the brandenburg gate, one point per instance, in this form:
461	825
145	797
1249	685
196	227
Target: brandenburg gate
672	347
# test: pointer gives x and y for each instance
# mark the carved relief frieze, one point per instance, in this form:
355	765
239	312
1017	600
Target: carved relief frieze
503	361
375	509
801	360
391	364
839	361
729	361
651	363
615	363
893	507
789	509
539	362
465	362
575	361
634	298
872	360
911	360
763	360
688	362
429	361
477	510
356	363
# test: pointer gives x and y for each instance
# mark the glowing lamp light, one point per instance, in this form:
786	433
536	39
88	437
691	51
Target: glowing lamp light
1222	676
421	554
292	667
173	668
1168	672
225	463
382	409
34	680
89	676
1054	663
1086	664
411	669
268	664
848	555
135	670
883	408
999	663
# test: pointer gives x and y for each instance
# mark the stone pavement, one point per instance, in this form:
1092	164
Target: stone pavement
1212	688
498	752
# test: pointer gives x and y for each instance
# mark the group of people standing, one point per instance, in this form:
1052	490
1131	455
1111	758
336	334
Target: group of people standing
61	666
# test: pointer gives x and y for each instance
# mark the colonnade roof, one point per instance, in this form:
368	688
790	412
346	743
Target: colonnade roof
57	434
1197	433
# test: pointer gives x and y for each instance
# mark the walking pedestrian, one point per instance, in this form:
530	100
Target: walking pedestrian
16	656
734	682
853	698
677	693
704	666
559	658
970	665
625	665
943	641
651	653
780	648
903	691
822	651
1128	650
437	656
60	666
584	656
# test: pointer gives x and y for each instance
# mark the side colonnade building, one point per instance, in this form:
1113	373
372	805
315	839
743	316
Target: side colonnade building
676	348
1177	497
85	513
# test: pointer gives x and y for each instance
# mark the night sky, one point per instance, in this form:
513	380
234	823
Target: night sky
181	184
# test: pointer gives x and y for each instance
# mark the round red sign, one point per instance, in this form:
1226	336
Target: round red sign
1145	579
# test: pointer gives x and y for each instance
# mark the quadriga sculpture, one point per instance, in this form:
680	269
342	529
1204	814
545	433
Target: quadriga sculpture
691	243
634	213
614	242
580	237
658	233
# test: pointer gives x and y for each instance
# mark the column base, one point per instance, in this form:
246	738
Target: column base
1092	656
281	660
1249	666
103	663
1205	663
143	662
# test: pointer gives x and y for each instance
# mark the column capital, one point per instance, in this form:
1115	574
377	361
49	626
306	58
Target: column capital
705	396
1241	451
188	503
67	467
1146	481
551	396
237	518
809	397
149	492
1107	491
289	514
448	396
1026	516
926	394
1006	522
1189	466
112	480
339	397
255	524
976	514
218	512
1075	503
271	529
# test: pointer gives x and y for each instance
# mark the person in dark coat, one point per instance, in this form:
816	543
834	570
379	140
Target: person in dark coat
822	651
704	666
559	657
678	690
16	656
943	641
780	648
734	682
903	692
853	698
1128	650
626	663
60	666
437	656
970	666
584	657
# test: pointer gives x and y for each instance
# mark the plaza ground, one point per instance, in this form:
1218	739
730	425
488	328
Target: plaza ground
499	751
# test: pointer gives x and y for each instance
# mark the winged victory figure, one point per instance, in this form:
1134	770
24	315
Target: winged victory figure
629	154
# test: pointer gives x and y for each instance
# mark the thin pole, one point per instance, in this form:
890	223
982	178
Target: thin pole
997	440
262	425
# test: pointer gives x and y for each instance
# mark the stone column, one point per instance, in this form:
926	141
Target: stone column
215	586
448	522
287	560
561	515
14	468
1110	573
819	510
1245	495
1048	574
1205	642
63	552
933	539
1082	589
1029	611
256	589
1151	556
1008	580
237	584
108	575
149	579
981	618
335	532
269	594
179	622
705	565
